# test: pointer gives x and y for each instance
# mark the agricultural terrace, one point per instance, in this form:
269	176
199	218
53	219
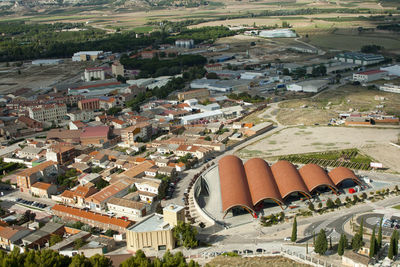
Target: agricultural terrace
349	158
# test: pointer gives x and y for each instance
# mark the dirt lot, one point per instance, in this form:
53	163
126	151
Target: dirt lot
33	76
255	261
330	103
372	141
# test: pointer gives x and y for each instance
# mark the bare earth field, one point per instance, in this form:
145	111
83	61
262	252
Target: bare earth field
33	76
278	261
302	139
328	104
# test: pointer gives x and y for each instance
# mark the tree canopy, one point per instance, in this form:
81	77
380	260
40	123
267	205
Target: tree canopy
185	234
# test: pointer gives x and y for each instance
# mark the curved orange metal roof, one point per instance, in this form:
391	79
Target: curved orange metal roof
288	178
261	182
314	176
233	183
340	174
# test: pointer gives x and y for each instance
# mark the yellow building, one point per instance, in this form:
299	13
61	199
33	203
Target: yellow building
155	232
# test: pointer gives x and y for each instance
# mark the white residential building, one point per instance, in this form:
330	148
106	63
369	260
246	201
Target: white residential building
127	208
83	115
209	115
94	74
48	113
148	185
392	88
369	76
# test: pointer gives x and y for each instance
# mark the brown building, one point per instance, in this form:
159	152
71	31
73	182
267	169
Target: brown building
246	186
62	153
43	190
63	135
97	135
197	94
10	235
91	218
45	171
40	237
31	123
89	104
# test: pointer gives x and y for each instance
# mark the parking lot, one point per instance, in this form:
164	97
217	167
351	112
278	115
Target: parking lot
30	203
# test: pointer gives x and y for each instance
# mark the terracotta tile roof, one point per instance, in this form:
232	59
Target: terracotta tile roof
118	121
41	185
108	192
37	168
137	170
69	211
9	231
89	100
94	153
84	191
67	194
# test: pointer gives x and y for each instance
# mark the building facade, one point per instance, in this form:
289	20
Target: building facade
89	104
48	113
194	94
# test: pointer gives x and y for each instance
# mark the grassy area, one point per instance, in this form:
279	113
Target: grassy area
350	158
353	39
277	261
143	29
397	207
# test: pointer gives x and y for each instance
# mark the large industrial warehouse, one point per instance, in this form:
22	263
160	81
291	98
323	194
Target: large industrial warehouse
247	185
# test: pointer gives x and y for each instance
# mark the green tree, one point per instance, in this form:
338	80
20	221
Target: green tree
321	244
361	229
113	110
342	244
379	239
373	245
54	239
293	238
311	206
393	246
207	138
330	204
338	202
100	261
139	259
357	242
185	234
78	243
121	79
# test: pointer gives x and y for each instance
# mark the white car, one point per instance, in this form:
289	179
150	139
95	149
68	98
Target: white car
287	239
109	213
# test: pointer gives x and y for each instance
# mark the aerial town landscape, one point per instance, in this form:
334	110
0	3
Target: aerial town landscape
199	133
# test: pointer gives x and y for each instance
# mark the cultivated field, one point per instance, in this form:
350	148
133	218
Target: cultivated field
129	16
296	140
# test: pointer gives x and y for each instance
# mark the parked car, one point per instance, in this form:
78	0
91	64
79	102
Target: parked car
260	250
247	251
